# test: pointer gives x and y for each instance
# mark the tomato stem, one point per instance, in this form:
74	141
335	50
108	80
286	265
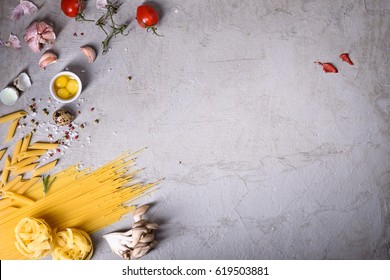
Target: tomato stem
112	9
153	28
80	15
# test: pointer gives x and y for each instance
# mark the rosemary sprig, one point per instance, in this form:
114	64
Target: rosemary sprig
46	183
115	29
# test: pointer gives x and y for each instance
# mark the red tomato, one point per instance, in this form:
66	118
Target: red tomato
146	16
72	8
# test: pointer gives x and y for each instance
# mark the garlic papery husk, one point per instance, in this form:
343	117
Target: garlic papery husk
47	58
9	96
89	53
22	82
23	8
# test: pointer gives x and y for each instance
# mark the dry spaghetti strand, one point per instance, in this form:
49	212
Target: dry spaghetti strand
88	200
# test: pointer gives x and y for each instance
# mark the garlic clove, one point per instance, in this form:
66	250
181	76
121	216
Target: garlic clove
89	53
46	59
22	82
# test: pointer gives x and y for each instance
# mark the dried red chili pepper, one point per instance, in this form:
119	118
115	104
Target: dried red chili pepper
328	67
345	58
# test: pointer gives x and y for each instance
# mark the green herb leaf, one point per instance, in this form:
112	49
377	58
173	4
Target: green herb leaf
46	183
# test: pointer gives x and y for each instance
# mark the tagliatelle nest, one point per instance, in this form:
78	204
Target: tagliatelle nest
33	238
72	244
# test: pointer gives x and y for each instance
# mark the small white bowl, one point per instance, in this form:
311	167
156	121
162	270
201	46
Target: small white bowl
72	75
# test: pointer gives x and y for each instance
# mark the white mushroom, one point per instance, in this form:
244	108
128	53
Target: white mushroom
119	242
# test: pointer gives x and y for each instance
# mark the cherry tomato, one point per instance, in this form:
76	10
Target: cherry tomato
72	8
147	16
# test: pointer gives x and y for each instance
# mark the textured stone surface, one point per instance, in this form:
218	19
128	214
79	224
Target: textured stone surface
264	155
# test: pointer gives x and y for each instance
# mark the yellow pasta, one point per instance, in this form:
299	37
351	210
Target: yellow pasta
82	199
43	146
44	168
26	142
17	197
33	237
31	153
17	147
11	130
2	152
26	185
12	116
4	175
72	244
25	169
22	163
12	183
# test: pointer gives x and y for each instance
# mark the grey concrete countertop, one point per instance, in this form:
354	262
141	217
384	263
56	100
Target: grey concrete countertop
265	156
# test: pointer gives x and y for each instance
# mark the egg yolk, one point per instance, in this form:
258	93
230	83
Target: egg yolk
72	86
61	81
63	93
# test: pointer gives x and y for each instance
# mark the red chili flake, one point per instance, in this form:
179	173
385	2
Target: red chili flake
51	154
345	57
75	34
49	135
66	132
92	109
58	150
34	105
328	67
76	137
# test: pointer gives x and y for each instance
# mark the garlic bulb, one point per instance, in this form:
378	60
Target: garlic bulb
38	34
47	58
136	242
89	53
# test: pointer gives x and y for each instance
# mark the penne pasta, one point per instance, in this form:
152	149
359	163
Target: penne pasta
44	168
43	146
26	142
31	153
11	183
11	130
2	152
17	197
17	148
25	169
4	175
27	185
22	163
13	116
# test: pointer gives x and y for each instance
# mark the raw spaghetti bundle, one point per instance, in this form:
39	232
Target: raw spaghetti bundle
85	199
